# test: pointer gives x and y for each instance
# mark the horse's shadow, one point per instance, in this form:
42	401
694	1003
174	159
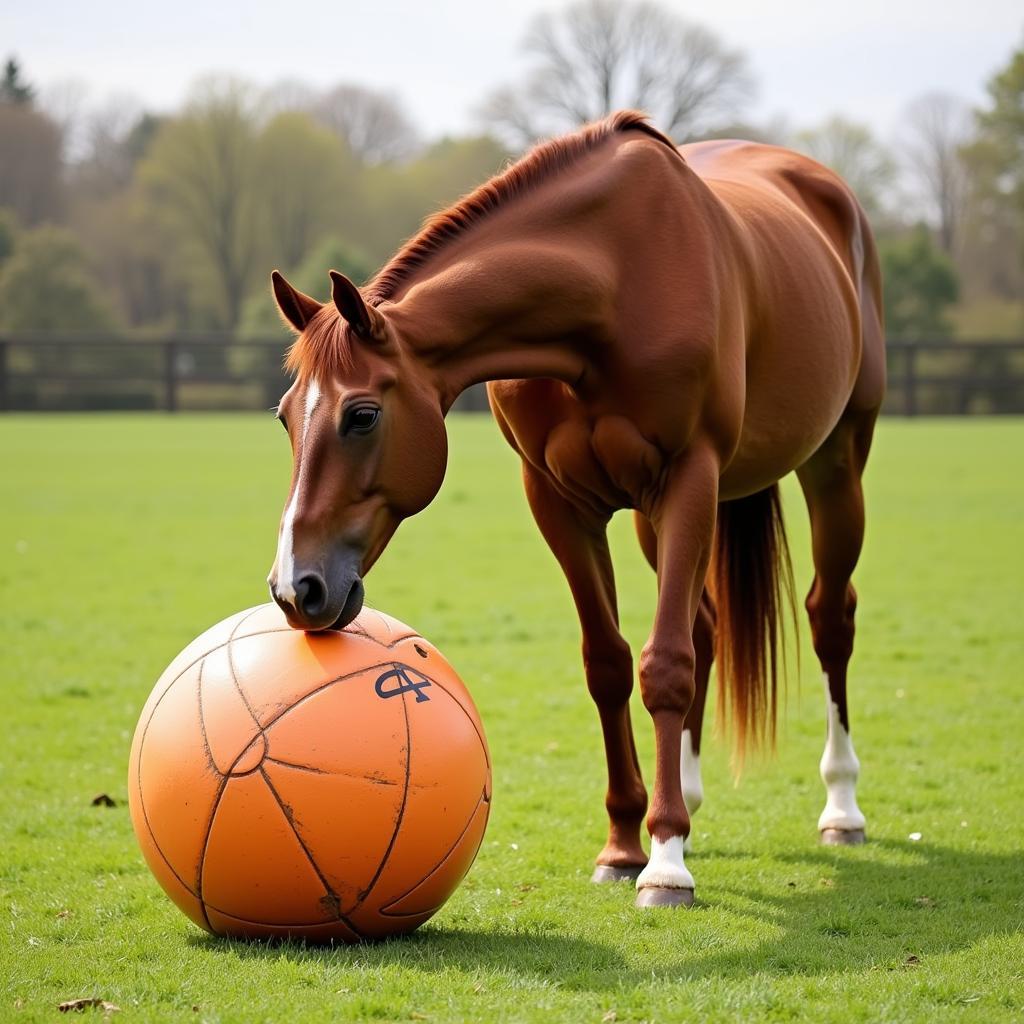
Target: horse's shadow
862	911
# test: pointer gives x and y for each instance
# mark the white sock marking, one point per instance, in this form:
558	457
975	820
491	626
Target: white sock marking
693	788
286	540
666	868
839	770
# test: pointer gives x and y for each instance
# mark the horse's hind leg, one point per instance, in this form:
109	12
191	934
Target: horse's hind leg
580	544
831	482
704	652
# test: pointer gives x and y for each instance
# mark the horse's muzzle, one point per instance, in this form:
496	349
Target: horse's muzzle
325	597
352	607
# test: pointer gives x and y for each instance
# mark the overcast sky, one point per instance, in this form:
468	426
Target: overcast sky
810	57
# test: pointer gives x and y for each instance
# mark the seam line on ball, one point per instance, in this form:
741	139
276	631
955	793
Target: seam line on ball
401	810
289	817
385	911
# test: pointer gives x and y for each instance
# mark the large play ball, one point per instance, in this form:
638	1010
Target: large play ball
328	786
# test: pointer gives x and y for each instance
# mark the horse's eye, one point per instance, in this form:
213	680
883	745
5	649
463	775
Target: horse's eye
283	421
361	419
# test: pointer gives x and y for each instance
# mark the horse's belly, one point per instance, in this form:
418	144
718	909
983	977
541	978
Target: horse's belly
792	404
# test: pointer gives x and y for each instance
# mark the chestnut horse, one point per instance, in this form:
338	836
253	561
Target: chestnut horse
668	330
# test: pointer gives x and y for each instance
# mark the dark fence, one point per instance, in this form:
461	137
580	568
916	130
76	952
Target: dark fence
215	372
96	371
943	378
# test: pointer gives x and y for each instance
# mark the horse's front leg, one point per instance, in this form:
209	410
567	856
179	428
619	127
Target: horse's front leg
684	518
579	542
704	651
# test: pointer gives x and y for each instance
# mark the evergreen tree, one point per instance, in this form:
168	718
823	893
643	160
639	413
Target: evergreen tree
920	285
12	87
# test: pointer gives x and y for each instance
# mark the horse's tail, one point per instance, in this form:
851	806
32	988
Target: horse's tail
752	580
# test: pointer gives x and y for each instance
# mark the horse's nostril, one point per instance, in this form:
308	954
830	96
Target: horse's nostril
310	595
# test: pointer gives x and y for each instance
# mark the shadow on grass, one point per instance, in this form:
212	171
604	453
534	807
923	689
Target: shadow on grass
862	912
434	949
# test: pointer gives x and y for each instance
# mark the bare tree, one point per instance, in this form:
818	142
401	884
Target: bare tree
288	95
109	146
509	113
938	127
372	123
200	174
66	103
596	56
31	179
851	150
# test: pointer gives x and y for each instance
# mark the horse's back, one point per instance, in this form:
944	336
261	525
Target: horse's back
832	207
813	188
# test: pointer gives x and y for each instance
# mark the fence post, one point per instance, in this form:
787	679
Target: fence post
910	380
171	376
3	375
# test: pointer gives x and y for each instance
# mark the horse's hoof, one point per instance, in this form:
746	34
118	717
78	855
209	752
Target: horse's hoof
610	873
662	896
842	836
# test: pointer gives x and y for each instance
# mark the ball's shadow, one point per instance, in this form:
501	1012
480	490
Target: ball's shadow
435	948
873	913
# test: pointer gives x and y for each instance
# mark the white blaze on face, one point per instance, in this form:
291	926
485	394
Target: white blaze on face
666	869
839	770
286	540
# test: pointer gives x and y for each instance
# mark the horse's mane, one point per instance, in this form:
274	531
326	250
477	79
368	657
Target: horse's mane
543	161
324	347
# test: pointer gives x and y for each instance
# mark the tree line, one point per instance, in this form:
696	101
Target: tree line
120	219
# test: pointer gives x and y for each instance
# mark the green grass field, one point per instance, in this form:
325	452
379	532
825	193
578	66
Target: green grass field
123	537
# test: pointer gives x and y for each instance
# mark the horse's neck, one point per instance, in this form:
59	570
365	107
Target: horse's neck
533	293
509	312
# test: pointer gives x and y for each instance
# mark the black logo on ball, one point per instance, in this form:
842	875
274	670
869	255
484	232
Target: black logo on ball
407	680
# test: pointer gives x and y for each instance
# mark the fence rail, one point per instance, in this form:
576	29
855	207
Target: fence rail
45	372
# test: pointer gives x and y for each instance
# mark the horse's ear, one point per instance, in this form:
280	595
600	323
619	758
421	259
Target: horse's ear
363	319
297	308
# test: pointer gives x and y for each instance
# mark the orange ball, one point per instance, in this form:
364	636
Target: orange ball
326	786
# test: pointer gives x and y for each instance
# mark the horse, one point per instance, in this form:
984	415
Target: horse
663	329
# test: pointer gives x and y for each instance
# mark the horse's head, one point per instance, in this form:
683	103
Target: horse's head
368	445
